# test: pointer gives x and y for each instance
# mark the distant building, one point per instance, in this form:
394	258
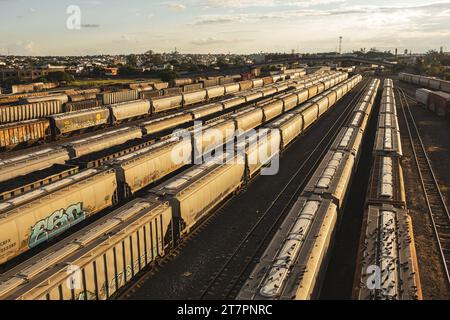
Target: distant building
258	58
51	68
111	71
27	75
22	74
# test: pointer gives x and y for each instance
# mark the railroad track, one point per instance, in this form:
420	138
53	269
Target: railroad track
437	208
231	276
152	270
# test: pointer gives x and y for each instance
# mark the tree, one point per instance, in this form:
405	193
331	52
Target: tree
168	75
59	76
132	61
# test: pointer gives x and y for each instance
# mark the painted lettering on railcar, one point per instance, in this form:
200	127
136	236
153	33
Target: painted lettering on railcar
57	222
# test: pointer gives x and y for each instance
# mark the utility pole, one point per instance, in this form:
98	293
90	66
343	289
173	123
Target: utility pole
340	45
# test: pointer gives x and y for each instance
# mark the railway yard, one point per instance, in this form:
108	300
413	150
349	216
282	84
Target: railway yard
330	185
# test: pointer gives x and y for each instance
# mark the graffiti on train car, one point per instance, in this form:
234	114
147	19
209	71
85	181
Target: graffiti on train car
120	279
56	223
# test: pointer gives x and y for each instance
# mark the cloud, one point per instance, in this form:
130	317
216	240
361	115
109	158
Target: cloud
264	3
214	41
411	10
176	6
24	48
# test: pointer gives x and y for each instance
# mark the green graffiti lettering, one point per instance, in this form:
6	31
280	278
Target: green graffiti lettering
57	222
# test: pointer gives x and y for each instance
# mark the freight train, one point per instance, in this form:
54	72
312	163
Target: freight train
436	101
28	213
387	262
56	118
307	88
104	256
427	82
295	261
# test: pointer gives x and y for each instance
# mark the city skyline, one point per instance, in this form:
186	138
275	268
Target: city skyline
213	26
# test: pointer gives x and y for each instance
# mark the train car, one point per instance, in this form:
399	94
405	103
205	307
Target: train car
141	168
272	109
245	85
349	139
388	120
387	263
163	123
77	97
290	101
150	94
389	248
30	162
192	87
268	91
102	141
108	98
182	82
29	111
267	80
439	102
258	149
56	209
251	95
161	85
81	105
428	82
232	88
194	97
139	231
232	102
203	111
388	104
258	83
422	96
78	120
24	132
294	264
388	142
210	82
129	110
302	95
386	183
144	86
62	97
212	135
359	119
247	119
309	113
321	101
225	80
332	177
195	192
290	126
169	91
215	92
388	83
162	104
445	86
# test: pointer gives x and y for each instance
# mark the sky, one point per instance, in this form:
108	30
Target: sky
40	27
